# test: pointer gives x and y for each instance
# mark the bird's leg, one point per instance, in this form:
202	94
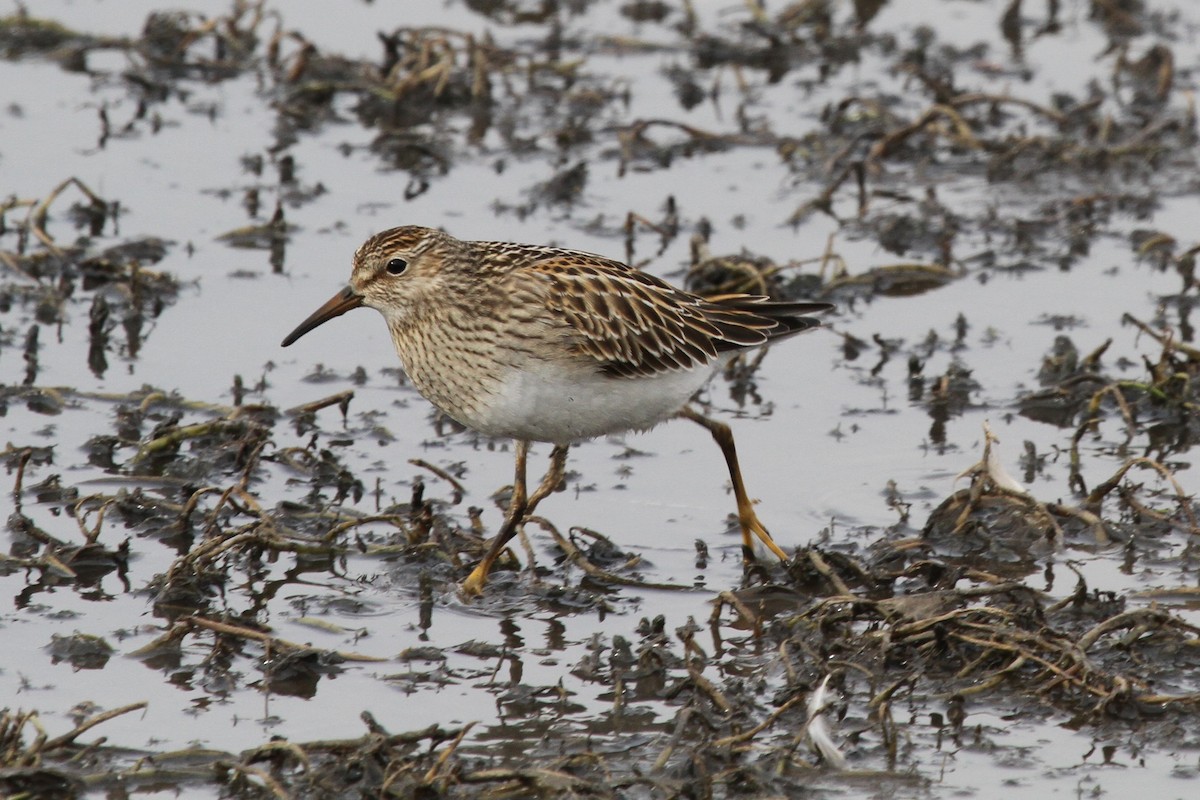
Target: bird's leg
747	519
518	501
519	509
517	504
552	478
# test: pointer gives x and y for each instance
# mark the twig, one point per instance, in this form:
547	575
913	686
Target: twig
89	723
274	641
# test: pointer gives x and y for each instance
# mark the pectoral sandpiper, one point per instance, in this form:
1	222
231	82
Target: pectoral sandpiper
542	344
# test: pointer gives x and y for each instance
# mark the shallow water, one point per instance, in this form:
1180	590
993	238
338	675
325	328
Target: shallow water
818	450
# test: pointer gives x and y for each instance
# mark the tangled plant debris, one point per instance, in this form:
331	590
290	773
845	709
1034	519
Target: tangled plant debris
863	654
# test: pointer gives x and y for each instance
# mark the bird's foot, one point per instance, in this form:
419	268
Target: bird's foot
472	585
751	528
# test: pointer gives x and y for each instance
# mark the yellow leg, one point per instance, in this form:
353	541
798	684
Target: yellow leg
747	519
519	509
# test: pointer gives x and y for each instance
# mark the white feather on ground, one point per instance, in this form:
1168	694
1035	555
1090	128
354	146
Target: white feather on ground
818	726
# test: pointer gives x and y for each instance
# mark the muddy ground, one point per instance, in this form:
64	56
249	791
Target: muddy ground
234	568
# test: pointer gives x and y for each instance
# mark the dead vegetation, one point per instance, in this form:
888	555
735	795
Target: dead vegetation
847	652
943	620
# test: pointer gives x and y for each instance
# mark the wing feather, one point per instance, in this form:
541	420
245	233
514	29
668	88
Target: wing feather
634	324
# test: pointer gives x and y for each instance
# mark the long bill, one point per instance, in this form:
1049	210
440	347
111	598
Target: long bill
345	300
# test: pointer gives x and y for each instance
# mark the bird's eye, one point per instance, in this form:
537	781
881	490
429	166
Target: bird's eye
397	266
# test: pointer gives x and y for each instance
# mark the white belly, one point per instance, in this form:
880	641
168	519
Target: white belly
541	406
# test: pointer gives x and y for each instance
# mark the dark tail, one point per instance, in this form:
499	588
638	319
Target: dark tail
782	318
